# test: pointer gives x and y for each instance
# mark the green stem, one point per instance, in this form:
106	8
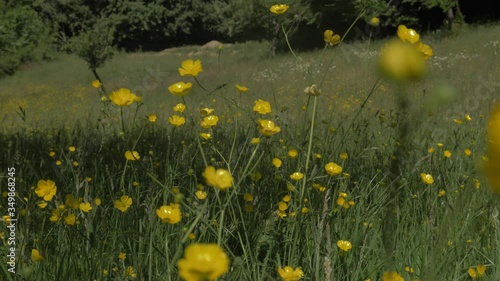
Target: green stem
288	42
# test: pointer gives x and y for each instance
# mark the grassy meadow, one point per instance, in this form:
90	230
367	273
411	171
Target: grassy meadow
372	213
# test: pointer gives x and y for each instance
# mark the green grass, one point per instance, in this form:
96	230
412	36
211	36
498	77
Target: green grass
396	221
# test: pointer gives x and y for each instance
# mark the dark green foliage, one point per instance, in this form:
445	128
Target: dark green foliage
23	37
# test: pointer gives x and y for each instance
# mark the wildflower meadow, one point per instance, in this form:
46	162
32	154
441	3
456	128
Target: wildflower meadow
362	161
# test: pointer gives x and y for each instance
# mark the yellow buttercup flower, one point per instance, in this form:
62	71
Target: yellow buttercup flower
297	176
190	68
207	111
123	203
333	169
288	273
255	141
447	153
408	35
262	107
180	107
331	38
209	121
123	97
169	214
200	194
293	153
132	155
206	136
241	89
427	178
180	88
85	207
467	152
374	21
267	127
203	262
279	9
35	255
46	189
220	178
152	118
392	276
72	148
176	120
344	245
477	272
130	271
70	219
122	256
402	62
277	162
56	215
426	50
96	84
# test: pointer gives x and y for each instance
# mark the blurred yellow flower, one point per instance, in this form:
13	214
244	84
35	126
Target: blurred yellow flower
207	111
467	152
42	204
123	97
402	62
152	118
392	276
176	120
203	262
132	155
97	201
180	88
70	219
85	207
426	50
56	215
52	154
267	127
241	89
427	178
374	21
277	162
123	203
288	273
331	38
262	107
278	9
343	155
297	176
293	153
200	194
247	197
190	68
441	193
122	256
35	255
255	141
477	272
333	169
72	202
169	214
46	189
206	136
130	271
96	84
408	35
220	178
493	162
180	107
72	149
447	153
344	245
